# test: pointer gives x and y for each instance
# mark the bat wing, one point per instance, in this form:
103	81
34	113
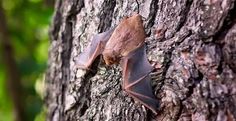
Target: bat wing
136	69
94	49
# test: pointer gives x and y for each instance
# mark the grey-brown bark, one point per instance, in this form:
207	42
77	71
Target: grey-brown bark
192	42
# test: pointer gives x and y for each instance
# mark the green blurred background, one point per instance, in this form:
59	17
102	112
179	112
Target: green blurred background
27	22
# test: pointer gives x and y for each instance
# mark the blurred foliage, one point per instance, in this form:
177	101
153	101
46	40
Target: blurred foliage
28	22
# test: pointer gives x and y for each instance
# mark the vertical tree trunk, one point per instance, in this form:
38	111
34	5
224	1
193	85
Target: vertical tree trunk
192	42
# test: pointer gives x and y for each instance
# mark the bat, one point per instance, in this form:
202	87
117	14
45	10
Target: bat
125	45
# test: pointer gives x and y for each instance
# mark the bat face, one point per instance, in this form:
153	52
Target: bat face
127	36
111	57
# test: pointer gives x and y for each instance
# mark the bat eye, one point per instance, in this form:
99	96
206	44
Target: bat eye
111	61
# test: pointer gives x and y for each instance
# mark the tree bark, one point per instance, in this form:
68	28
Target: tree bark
191	42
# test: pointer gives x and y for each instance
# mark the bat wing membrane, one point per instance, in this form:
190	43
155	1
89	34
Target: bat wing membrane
136	69
94	49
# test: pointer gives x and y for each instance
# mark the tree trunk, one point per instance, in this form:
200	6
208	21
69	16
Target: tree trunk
192	43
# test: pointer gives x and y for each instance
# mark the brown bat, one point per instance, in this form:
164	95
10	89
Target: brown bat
125	44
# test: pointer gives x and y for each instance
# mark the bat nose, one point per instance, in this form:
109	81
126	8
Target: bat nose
107	62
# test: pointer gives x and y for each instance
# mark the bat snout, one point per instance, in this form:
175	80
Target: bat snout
109	60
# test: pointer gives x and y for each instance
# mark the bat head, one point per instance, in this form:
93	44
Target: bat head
111	58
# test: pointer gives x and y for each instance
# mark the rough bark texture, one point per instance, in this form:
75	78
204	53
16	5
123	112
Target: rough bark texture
192	42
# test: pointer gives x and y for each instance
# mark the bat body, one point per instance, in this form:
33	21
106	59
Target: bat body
125	44
127	36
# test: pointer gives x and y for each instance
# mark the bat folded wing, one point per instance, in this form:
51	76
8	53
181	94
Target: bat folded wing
136	69
93	50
